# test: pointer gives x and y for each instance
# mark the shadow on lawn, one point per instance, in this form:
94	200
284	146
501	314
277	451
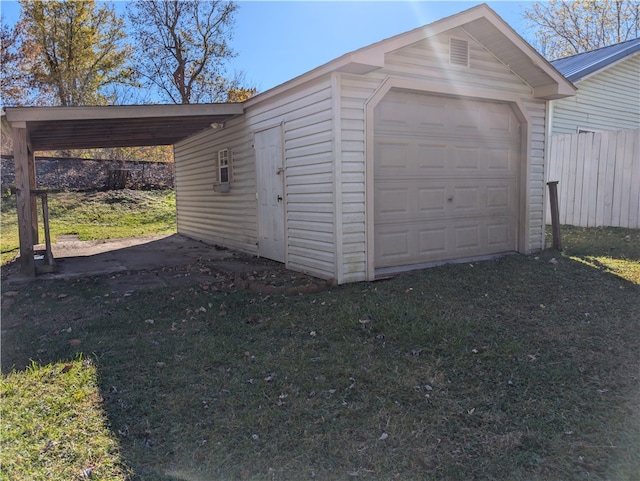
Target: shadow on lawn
615	242
516	368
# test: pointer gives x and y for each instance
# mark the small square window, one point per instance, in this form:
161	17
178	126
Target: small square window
224	167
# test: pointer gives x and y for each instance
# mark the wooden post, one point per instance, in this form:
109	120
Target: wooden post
555	214
50	263
23	199
34	200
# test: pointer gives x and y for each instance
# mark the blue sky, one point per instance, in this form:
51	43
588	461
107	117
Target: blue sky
277	41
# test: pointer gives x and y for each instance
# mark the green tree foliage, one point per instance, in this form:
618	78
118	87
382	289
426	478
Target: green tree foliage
183	47
78	50
563	28
14	86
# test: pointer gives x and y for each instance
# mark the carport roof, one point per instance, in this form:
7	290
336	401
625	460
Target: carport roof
59	128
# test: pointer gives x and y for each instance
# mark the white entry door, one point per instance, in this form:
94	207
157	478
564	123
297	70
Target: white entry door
270	181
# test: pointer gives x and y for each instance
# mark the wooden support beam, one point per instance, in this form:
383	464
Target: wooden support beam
34	200
23	200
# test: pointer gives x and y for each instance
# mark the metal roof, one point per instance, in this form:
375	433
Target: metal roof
577	67
57	128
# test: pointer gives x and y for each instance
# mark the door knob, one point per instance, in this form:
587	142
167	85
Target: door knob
279	198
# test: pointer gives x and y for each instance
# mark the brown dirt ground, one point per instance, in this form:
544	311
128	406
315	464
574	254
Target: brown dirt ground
154	261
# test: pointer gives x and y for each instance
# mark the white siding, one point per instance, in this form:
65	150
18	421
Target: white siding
309	189
230	218
536	175
608	100
428	61
227	219
355	90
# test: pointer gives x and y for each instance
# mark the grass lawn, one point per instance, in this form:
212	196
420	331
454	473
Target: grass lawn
521	368
95	215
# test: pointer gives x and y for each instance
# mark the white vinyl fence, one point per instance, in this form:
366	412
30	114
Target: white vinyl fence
598	178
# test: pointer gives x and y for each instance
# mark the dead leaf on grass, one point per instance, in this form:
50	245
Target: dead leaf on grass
87	472
67	368
75	342
589	466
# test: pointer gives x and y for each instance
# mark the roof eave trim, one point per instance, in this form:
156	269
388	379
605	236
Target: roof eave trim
563	87
554	91
362	62
31	114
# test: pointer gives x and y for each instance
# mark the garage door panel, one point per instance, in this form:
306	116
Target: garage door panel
441	240
417	157
467	237
430	156
452	192
502	120
500	196
466	157
393	156
393	201
466	198
431	199
499	235
501	159
404	111
432	241
394	247
412	199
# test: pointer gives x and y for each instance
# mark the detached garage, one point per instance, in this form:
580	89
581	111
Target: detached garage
424	148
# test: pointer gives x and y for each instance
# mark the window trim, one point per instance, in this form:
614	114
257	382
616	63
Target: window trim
223	155
224	164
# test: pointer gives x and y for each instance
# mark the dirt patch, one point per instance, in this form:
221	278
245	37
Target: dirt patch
136	264
240	272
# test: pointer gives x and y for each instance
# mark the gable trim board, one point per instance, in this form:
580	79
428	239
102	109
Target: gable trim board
328	122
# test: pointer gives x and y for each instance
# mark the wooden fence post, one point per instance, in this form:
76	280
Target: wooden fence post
555	214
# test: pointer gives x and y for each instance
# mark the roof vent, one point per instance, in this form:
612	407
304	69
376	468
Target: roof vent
458	52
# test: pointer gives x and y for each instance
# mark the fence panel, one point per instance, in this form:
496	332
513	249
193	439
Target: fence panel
598	176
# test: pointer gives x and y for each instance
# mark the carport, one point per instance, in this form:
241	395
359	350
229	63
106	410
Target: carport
56	128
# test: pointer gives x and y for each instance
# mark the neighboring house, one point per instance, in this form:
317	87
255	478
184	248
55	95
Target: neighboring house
424	148
594	152
608	97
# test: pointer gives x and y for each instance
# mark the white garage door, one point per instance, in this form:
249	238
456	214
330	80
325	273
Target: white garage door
446	179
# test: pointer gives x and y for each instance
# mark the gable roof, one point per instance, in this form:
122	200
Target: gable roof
482	24
577	67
